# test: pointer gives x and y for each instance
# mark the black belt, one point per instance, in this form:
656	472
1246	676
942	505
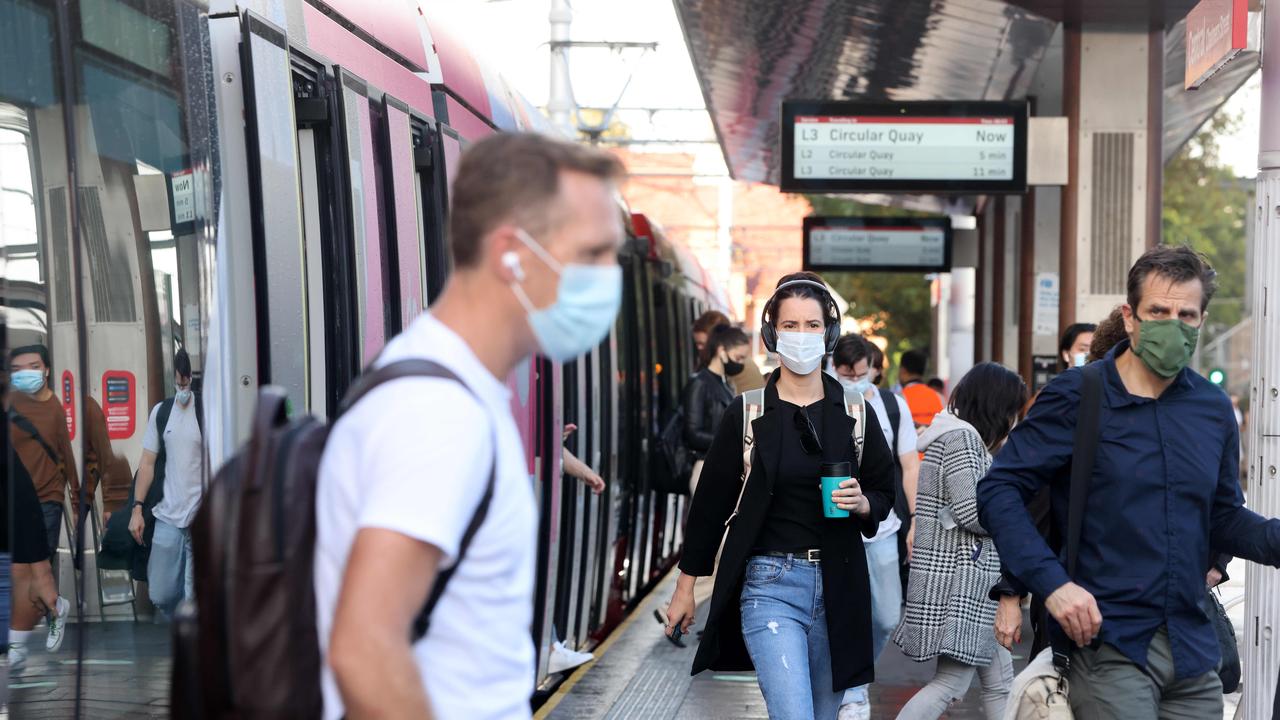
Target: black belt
812	556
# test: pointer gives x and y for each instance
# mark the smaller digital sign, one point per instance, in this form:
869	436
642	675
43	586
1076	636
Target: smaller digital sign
859	244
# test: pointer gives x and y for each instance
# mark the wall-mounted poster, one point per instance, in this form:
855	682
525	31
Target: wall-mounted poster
120	403
69	401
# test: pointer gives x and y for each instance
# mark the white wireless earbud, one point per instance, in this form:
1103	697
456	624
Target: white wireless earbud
511	261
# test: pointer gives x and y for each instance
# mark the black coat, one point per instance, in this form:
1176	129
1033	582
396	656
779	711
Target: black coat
846	586
706	397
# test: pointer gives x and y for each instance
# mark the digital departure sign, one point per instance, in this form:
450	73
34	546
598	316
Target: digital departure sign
938	147
858	244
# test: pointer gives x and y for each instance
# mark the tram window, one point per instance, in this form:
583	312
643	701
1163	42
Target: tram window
280	253
363	187
103	264
431	200
402	208
315	285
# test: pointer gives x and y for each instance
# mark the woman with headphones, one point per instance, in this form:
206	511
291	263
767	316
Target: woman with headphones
784	563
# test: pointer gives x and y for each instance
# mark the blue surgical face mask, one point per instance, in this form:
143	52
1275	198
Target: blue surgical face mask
183	396
27	381
860	386
587	301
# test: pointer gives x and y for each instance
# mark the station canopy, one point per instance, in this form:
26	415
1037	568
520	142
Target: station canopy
750	55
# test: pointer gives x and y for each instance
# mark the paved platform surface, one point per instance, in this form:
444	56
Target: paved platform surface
642	675
126	674
638	674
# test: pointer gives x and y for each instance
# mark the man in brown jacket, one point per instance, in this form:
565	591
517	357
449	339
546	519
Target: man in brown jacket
38	430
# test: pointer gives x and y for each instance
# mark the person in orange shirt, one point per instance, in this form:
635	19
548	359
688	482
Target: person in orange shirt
922	399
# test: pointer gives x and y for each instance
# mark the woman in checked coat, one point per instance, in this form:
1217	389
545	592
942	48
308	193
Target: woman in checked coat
954	564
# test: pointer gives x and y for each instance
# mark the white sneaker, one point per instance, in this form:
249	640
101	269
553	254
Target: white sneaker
562	658
17	657
855	711
58	625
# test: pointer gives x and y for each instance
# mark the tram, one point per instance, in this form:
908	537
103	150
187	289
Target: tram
264	183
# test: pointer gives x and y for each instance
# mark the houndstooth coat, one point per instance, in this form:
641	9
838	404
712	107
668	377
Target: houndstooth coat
953	562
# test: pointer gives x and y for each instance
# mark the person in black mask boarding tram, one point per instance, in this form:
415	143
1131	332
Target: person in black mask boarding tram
798	472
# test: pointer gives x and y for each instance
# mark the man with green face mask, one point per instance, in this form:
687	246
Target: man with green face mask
1164	489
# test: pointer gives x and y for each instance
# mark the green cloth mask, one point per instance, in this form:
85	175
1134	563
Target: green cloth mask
1166	346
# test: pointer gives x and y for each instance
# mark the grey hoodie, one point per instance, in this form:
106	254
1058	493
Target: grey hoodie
943	423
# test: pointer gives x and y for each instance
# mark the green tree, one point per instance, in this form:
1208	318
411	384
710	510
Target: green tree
1206	206
896	305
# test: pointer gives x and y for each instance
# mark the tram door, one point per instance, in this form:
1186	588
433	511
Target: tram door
106	179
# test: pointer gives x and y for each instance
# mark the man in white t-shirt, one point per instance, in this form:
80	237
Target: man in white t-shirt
852	361
173	456
535	231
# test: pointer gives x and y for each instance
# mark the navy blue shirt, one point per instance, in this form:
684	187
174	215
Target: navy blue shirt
1165	487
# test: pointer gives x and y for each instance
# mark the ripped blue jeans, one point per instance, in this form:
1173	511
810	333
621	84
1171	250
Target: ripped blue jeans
784	625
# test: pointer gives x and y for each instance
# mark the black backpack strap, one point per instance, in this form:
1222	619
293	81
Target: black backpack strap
25	425
155	493
423	620
427	368
1083	455
895	418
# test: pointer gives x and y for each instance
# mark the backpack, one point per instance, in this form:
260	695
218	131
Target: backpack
900	506
753	407
249	648
673	463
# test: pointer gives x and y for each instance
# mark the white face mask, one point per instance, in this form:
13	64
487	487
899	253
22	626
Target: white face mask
801	352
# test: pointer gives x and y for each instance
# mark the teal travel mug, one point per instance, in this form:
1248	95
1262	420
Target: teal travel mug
832	475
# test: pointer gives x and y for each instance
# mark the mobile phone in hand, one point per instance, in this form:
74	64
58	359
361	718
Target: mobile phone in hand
677	630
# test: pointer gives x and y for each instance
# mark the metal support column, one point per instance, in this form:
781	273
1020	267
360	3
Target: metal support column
999	255
980	292
1261	651
1155	135
1026	284
1071	57
560	104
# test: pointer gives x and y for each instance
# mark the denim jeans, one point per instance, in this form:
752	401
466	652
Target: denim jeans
886	602
784	625
170	577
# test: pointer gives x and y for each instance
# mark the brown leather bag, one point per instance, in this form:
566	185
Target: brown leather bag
247	647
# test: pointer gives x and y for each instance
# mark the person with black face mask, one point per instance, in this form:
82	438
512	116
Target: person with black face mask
710	391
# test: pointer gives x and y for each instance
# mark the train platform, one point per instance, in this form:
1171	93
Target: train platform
638	674
126	664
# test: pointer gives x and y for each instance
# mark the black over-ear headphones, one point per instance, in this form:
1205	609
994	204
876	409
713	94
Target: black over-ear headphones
769	334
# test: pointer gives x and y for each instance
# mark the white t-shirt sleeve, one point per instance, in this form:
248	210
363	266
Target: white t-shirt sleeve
906	428
427	453
151	439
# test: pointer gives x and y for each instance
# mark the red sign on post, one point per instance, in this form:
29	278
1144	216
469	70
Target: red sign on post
120	396
69	401
1217	30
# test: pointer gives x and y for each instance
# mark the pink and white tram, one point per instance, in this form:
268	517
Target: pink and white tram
342	193
264	183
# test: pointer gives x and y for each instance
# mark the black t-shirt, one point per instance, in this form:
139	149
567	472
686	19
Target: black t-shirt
794	521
